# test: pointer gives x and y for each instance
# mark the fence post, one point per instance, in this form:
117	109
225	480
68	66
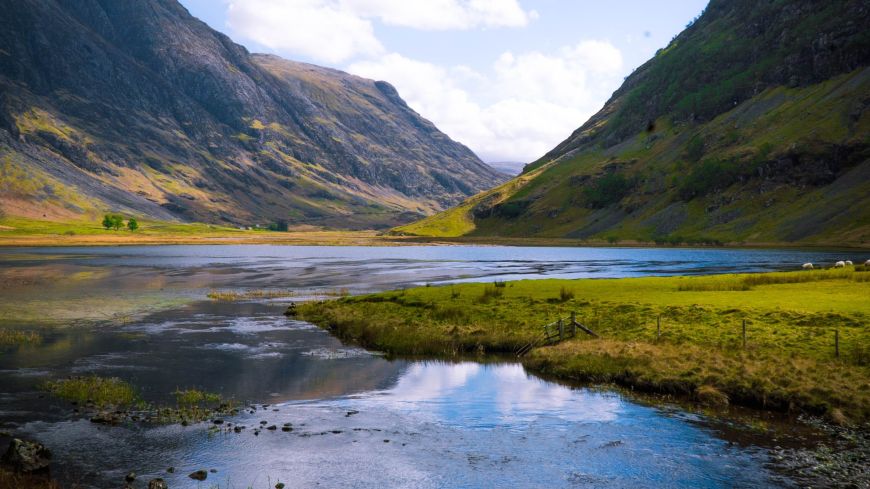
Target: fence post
561	330
573	323
744	334
837	343
658	327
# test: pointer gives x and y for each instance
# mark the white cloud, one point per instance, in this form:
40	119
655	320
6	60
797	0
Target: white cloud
529	103
333	31
443	14
312	28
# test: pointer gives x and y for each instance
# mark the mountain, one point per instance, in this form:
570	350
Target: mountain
508	167
136	106
751	126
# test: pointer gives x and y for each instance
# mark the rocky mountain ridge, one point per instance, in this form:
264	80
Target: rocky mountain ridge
138	107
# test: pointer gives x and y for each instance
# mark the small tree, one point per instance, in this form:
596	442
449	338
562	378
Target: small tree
108	222
117	222
132	225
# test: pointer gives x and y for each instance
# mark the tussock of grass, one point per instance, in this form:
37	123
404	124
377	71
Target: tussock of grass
101	391
241	295
12	337
490	293
788	363
188	398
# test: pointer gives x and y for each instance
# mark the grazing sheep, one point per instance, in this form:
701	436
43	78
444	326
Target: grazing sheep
849	263
840	264
807	266
867	263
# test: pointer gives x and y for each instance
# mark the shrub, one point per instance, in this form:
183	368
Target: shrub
565	295
132	224
706	177
279	225
607	190
695	149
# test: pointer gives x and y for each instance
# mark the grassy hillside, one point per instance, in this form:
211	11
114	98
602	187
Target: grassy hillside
788	363
783	161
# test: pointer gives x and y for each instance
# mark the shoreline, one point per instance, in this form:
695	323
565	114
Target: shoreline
372	239
788	363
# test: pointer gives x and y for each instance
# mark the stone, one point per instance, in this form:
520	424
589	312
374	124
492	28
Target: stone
27	457
157	484
199	475
130	477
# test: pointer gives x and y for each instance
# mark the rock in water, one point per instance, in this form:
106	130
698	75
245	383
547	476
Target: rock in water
26	457
291	310
157	484
130	477
199	475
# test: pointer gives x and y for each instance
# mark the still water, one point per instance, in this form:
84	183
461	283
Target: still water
360	420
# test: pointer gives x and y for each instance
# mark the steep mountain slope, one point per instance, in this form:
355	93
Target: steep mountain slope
136	106
752	125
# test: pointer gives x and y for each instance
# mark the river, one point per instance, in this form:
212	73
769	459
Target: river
360	420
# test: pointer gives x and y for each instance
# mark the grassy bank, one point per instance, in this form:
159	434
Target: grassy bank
789	362
29	232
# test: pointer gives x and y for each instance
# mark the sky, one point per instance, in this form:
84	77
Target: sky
508	78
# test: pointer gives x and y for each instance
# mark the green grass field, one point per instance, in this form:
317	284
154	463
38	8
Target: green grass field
788	363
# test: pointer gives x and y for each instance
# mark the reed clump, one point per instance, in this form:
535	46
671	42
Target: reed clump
241	295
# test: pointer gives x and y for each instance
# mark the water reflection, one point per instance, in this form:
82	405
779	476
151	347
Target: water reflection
469	425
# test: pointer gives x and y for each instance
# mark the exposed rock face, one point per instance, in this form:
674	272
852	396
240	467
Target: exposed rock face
27	457
138	106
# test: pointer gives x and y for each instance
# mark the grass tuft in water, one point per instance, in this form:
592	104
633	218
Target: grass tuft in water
241	295
10	337
99	391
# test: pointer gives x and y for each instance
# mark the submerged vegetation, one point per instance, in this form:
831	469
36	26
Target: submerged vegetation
805	348
241	295
101	392
11	337
113	401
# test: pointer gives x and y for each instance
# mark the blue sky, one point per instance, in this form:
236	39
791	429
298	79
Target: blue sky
508	78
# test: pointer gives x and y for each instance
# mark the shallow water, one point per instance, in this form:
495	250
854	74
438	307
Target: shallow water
419	424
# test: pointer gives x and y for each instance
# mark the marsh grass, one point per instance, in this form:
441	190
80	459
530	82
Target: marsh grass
490	292
790	332
241	295
10	337
11	480
196	398
115	401
746	282
101	391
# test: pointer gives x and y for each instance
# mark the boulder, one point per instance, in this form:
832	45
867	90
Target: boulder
157	484
27	457
199	475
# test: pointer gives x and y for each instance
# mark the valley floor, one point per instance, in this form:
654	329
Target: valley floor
806	349
26	232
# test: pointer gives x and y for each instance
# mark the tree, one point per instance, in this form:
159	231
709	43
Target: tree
117	222
107	221
132	225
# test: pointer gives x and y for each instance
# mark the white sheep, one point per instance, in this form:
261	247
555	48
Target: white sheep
840	264
867	263
807	266
849	263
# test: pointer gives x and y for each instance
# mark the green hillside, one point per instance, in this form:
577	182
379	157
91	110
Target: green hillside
751	126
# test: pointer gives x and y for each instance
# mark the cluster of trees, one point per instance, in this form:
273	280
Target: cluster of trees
116	222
